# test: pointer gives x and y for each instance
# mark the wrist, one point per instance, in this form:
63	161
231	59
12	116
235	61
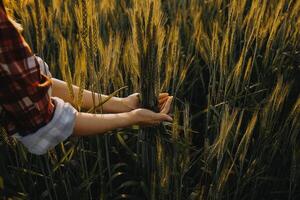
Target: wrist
125	104
116	105
134	119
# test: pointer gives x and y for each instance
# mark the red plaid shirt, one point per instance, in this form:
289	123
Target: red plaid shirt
25	105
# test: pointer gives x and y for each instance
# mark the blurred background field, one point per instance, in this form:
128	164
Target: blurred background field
233	67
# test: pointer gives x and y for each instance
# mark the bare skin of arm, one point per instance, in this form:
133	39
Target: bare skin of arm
93	124
113	105
124	112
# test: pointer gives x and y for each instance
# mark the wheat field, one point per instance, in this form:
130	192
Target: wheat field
233	67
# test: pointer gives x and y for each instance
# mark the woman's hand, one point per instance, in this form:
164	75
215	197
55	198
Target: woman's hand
147	117
92	124
132	102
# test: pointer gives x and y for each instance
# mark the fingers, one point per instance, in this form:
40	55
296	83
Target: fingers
162	95
146	117
162	100
164	117
167	106
160	117
163	103
168	118
161	106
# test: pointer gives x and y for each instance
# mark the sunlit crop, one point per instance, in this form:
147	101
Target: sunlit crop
233	67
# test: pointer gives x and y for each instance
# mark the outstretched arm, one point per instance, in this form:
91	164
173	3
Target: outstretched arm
113	105
124	111
92	124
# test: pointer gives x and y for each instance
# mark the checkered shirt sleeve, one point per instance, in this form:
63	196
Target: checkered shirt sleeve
28	111
56	131
23	89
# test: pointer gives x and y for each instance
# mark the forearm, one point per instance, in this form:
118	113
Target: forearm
113	105
87	124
